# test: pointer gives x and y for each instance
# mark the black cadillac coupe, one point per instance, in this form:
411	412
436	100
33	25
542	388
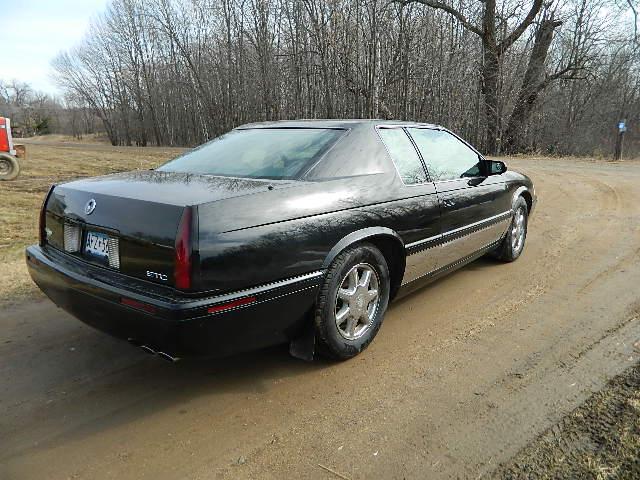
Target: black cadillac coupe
292	231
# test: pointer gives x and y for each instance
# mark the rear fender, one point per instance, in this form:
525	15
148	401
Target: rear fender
303	345
359	236
387	241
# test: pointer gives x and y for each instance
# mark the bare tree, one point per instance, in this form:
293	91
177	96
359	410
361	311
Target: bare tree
504	75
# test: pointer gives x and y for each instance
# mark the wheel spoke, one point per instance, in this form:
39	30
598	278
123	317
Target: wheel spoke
372	295
345	294
342	315
352	323
365	279
353	279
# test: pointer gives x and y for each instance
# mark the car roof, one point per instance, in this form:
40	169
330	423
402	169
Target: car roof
333	123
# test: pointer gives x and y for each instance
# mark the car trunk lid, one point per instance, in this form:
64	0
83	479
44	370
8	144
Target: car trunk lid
133	222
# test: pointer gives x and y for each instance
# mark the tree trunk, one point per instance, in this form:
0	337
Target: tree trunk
533	83
490	78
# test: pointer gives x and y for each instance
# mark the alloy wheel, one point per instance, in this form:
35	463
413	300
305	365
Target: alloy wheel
518	230
357	301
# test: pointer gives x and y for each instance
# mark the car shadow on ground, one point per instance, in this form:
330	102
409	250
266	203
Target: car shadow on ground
72	381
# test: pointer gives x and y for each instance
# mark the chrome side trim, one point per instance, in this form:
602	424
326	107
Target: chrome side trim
423	241
500	216
471	227
453	251
280	283
258	289
420	263
466	243
453	265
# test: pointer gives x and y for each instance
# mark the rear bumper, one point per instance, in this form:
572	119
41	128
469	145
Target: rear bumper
179	326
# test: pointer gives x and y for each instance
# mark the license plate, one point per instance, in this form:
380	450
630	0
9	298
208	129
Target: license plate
97	245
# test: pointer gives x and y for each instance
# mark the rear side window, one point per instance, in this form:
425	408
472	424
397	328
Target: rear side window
273	153
446	156
404	155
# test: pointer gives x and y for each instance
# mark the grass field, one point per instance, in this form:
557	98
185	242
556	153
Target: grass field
20	199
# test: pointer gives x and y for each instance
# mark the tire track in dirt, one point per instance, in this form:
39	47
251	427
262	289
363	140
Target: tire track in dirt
597	440
562	240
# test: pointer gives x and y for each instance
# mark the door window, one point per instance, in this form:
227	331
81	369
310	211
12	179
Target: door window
446	156
404	155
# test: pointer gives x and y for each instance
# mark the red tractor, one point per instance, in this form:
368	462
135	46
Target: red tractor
9	166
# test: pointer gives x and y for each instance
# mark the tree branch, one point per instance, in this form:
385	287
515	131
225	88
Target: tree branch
450	10
519	30
635	19
572	70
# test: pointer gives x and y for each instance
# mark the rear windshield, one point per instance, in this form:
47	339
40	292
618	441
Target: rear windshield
274	153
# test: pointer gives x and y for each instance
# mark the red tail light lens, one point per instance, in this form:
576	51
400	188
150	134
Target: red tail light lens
42	224
182	271
229	305
130	302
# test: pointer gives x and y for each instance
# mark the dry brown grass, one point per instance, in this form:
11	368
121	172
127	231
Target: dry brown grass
598	440
20	199
94	138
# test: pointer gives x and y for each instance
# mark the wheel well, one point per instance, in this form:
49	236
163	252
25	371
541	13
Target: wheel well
393	252
527	198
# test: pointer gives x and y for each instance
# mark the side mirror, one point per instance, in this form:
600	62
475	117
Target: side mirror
495	167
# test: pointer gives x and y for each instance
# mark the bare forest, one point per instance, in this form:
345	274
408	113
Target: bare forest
552	77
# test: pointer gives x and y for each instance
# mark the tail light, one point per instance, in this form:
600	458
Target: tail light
114	253
42	227
183	267
130	302
234	304
72	237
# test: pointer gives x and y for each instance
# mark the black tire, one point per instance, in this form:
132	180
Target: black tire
509	250
331	338
9	167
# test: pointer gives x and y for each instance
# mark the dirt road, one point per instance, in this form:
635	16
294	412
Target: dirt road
462	375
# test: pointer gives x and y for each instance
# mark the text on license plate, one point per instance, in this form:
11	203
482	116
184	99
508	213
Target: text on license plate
97	244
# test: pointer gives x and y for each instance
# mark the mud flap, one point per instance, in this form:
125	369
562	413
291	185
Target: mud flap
304	345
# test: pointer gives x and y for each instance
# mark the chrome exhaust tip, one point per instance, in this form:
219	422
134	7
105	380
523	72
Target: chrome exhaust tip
148	349
162	355
168	357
